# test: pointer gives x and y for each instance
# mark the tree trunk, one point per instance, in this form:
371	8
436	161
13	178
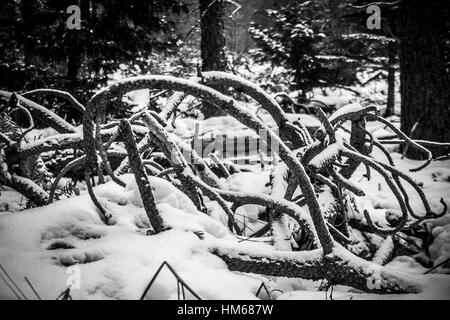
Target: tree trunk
424	70
279	223
28	11
76	53
339	268
75	60
358	141
335	7
213	42
392	55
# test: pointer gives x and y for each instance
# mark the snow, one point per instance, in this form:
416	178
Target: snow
328	155
48	245
384	251
54	139
37	134
164	192
435	287
334	100
248	183
436	185
11	201
376	189
230	127
440	249
117	262
348	108
218	125
408	264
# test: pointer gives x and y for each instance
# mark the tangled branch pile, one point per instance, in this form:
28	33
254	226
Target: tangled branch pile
310	185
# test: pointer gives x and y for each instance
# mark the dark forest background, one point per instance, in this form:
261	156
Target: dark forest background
320	44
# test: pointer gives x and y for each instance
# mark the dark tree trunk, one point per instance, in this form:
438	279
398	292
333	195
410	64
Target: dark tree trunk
424	70
74	63
336	18
301	82
392	55
28	11
76	53
390	109
358	141
213	42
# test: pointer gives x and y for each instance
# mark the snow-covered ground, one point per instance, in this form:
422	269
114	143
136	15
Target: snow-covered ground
67	243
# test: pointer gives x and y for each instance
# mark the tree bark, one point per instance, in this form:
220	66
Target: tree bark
339	268
213	42
279	223
358	141
76	52
392	56
424	63
74	63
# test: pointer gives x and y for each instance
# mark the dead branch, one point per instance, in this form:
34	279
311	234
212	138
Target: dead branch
142	180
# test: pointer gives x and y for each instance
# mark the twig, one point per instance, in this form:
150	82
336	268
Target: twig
13	282
58	93
439	265
10	287
32	288
175	274
220	164
409	141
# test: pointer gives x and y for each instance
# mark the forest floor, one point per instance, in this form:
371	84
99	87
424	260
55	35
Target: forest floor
67	243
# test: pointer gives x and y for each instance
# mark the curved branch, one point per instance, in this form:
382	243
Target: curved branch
409	141
249	88
5	140
281	205
62	141
28	188
104	215
142	180
57	93
30	120
70	166
346	184
215	196
352	112
392	186
98	104
45	115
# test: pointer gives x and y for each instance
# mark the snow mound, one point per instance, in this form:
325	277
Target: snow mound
53	244
440	249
